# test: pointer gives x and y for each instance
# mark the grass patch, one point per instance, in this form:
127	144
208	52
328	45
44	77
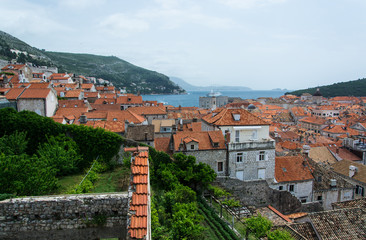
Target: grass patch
113	181
66	183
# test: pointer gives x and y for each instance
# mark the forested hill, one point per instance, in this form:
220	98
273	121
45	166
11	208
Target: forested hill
114	69
351	88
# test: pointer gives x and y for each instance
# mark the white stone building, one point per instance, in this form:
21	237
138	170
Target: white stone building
251	151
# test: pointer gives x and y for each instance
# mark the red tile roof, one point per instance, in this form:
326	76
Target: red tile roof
205	139
13	67
291	168
14	93
162	144
73	93
35	93
140	197
40	85
129	99
279	213
225	117
144	110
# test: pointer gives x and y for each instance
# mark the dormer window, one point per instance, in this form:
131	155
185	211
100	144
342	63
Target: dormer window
236	116
216	144
192	146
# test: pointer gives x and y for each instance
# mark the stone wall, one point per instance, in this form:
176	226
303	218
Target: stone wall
210	157
71	216
259	194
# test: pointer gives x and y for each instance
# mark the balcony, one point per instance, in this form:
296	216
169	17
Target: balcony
249	145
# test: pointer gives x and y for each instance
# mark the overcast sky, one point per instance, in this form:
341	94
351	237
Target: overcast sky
261	44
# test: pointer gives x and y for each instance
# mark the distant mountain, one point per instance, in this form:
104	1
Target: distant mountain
121	73
350	88
190	87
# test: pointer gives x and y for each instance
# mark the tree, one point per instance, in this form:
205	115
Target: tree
24	175
258	226
279	235
186	221
61	153
14	144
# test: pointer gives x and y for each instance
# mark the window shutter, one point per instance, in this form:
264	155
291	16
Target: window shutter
266	156
257	156
245	156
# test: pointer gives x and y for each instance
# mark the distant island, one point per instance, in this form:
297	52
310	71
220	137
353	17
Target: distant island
189	87
355	88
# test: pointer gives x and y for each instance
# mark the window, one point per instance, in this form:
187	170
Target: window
239	157
319	178
262	155
237	136
220	166
115	119
360	190
192	146
291	188
319	198
280	188
303	199
254	135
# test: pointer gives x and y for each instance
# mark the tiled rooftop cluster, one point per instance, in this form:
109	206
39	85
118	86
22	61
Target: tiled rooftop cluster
140	189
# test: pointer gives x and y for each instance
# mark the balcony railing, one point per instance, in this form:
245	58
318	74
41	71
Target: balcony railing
259	144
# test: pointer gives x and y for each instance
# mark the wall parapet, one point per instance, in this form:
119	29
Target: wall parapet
20	216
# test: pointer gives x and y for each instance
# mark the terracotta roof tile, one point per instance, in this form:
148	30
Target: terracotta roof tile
141	189
73	93
138	233
35	93
144	110
346	223
129	100
291	168
139	199
162	144
140	179
279	214
203	138
141	210
139	169
225	117
14	93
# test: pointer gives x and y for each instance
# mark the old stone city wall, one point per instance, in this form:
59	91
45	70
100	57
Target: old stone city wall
65	217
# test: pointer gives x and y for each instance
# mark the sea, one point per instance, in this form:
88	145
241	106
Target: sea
191	99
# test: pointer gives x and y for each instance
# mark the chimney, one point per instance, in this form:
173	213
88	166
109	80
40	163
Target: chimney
126	125
227	136
83	119
352	170
333	183
306	150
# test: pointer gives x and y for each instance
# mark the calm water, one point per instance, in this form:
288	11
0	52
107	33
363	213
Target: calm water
192	98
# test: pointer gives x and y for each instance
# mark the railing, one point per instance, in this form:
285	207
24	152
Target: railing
269	144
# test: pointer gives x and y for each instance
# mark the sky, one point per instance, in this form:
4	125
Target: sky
261	44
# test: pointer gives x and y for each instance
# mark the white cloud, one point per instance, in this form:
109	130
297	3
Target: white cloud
81	3
29	20
245	4
176	13
121	25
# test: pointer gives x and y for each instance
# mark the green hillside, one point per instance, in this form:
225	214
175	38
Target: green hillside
351	88
121	73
